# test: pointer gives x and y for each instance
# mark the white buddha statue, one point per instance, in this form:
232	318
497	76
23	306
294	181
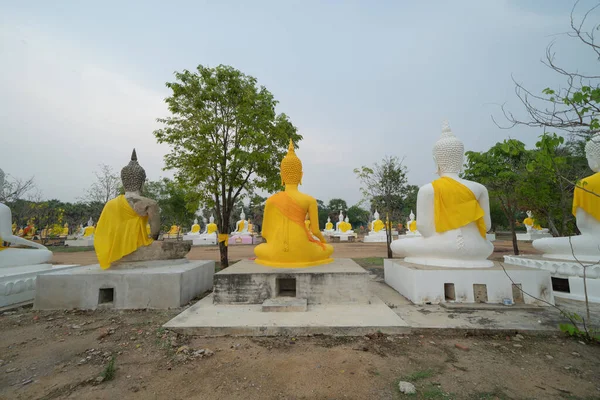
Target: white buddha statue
411	225
17	257
195	230
340	222
88	231
531	226
586	208
453	215
347	227
328	227
241	227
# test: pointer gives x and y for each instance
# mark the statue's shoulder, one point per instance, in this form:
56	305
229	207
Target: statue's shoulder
426	189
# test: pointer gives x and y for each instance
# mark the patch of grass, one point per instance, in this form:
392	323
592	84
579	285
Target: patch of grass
369	261
109	371
67	249
419	375
435	393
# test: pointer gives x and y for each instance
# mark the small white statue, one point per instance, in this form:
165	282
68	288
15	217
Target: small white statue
411	225
241	227
586	207
530	225
10	257
455	236
340	221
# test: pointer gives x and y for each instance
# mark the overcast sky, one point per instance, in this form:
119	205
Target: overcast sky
82	82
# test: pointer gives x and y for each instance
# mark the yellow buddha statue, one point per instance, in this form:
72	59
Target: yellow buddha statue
196	226
65	230
289	244
89	230
377	224
329	225
211	227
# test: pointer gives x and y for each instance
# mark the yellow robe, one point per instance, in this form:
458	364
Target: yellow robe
88	231
212	228
528	221
588	202
329	226
413	226
195	228
455	206
378	225
289	243
120	232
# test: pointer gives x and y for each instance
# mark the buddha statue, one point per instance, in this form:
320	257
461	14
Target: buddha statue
30	230
17	257
241	227
586	209
65	230
121	228
80	231
340	222
531	226
411	225
211	228
329	225
347	227
377	225
195	227
289	244
453	215
88	231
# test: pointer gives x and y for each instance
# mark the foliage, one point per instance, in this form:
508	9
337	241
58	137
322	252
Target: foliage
176	208
501	169
109	371
226	139
13	189
107	186
572	328
357	216
387	183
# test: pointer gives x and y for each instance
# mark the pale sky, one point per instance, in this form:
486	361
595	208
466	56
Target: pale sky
82	83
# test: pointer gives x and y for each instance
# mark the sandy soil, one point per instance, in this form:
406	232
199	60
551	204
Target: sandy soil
341	250
59	355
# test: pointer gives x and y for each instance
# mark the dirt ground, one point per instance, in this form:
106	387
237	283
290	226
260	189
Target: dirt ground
60	355
239	252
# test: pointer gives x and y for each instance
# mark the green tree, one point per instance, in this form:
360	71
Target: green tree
357	216
501	169
226	138
175	202
323	213
386	182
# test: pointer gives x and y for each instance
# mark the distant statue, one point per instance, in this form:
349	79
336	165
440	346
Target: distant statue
289	243
241	227
531	226
453	215
586	208
377	225
329	225
122	228
15	257
340	223
89	230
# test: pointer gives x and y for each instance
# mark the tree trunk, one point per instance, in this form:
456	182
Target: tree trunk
514	236
551	225
224	257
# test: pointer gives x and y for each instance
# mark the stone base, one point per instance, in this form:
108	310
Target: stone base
241	239
159	250
532	236
80	243
340	282
409	235
201	240
490	236
285	304
151	284
343	236
432	285
375	238
17	284
567	276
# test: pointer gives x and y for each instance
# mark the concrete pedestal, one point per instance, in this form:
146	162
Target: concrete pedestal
532	236
17	284
375	238
253	300
567	276
80	243
241	239
148	284
423	284
201	240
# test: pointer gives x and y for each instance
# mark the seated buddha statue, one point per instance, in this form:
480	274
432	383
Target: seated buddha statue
340	223
241	227
88	231
173	232
211	228
531	225
195	228
347	227
35	253
453	215
377	225
329	225
65	230
586	209
30	230
411	225
289	244
122	228
79	233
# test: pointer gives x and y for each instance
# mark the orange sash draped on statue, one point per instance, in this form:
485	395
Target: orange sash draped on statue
587	196
294	212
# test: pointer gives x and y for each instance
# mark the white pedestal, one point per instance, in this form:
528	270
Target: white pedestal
532	236
567	276
423	284
201	240
80	243
17	284
375	238
152	284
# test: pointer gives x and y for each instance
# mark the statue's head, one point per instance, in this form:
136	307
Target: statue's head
328	219
66	225
291	167
376	215
412	215
195	221
448	152
341	216
90	222
529	213
592	152
347	219
133	175
212	219
242	215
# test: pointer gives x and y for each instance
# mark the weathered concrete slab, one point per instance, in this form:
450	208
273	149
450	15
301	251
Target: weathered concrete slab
285	304
152	284
340	282
208	319
432	285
